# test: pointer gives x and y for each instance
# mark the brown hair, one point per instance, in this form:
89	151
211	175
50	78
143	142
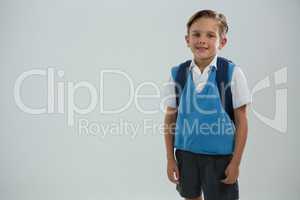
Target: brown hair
223	26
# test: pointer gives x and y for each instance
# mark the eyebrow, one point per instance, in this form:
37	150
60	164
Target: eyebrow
196	31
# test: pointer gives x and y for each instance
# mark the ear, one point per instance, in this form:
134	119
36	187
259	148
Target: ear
223	42
187	40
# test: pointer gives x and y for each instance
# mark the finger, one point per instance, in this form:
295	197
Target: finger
176	172
175	178
171	176
226	180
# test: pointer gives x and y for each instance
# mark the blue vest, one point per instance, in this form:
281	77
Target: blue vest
202	125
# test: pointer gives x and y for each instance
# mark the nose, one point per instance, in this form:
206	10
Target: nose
202	40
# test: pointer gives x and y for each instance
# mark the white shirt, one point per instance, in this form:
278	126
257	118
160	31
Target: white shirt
239	87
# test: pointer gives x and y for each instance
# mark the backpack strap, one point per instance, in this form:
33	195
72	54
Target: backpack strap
223	79
180	79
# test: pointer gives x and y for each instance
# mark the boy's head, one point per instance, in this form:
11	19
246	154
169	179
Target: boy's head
206	34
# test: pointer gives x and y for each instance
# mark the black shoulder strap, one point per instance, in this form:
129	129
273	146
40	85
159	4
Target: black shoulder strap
180	79
224	87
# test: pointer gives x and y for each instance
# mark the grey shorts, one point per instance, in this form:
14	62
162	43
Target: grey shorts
201	173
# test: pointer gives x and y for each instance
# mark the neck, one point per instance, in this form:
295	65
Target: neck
203	63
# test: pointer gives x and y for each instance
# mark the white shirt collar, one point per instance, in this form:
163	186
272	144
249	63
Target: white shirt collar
213	63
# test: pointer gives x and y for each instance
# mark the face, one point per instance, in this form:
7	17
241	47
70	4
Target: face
204	39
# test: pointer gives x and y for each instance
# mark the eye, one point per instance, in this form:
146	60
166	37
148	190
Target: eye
196	35
211	36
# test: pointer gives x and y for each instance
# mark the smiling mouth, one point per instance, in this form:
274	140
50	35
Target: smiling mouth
201	48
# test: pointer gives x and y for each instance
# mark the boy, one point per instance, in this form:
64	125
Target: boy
209	142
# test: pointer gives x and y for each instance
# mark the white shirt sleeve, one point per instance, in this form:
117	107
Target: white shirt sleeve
239	89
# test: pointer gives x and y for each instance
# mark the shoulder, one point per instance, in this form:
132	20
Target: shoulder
226	66
234	69
238	73
175	69
221	61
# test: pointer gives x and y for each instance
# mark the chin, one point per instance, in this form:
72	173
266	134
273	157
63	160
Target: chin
202	57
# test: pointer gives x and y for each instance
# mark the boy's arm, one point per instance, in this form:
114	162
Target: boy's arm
241	123
232	170
170	121
169	125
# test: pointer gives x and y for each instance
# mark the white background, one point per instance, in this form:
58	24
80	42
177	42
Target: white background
41	157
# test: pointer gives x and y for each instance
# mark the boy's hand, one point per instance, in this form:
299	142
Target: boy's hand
172	171
232	173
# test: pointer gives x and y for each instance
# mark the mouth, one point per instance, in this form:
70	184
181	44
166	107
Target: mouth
201	49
